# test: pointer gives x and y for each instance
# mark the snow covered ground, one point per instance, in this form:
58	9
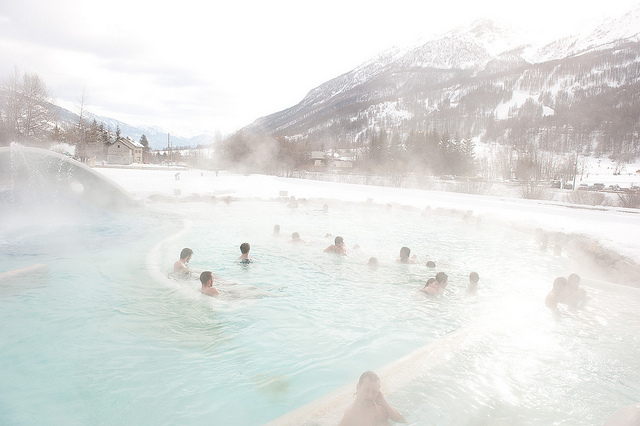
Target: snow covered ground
601	170
613	228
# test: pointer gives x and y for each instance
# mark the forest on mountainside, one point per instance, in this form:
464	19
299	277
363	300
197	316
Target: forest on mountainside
417	118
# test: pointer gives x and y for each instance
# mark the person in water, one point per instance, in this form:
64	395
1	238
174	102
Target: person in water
295	238
276	230
437	288
555	295
370	407
431	264
405	256
293	203
373	262
180	268
206	278
473	283
431	283
573	295
337	247
244	250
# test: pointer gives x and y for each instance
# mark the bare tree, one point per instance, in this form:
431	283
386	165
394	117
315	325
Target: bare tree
25	108
11	105
81	142
36	111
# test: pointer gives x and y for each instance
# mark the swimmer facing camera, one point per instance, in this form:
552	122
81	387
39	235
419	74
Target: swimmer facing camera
370	408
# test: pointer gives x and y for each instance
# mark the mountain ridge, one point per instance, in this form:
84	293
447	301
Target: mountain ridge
440	83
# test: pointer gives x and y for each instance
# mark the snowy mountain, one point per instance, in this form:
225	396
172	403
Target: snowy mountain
481	81
157	137
607	35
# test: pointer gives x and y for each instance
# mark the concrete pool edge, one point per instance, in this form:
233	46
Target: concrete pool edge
328	409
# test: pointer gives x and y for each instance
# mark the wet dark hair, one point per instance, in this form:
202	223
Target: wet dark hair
441	277
574	278
205	277
373	261
295	236
368	375
276	229
559	283
474	277
338	240
405	252
244	248
429	281
186	252
431	264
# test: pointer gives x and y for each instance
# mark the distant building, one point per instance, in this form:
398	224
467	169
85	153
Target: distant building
97	151
318	158
124	151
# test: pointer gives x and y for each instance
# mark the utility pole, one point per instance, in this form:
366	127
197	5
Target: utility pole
575	172
169	149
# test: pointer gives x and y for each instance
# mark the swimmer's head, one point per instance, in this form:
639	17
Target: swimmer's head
574	280
474	278
205	277
442	278
368	388
431	264
373	262
276	229
405	252
186	253
339	241
295	236
244	248
559	284
430	281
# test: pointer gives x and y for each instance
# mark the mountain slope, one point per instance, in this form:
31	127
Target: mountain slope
481	81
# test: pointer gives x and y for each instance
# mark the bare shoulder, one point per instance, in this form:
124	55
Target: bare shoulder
349	417
210	291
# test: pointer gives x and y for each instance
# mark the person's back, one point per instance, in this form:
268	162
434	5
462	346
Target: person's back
244	250
206	278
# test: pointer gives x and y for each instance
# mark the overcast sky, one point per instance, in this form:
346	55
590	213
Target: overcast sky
196	66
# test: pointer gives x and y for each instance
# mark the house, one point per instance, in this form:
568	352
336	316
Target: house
318	158
124	151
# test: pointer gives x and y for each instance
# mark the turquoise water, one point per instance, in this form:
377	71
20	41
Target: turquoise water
525	368
106	338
